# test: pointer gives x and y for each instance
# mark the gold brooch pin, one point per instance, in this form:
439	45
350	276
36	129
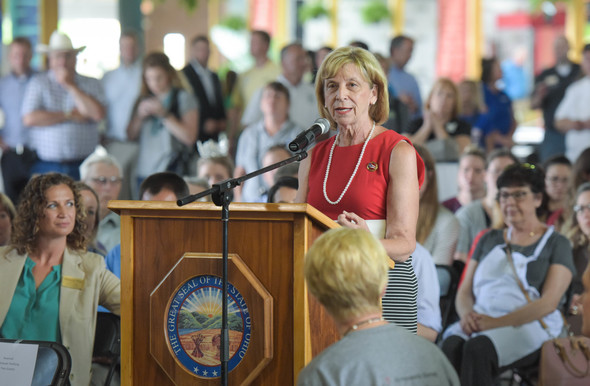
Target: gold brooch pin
372	166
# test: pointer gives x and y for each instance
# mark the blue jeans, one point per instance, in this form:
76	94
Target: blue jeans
71	168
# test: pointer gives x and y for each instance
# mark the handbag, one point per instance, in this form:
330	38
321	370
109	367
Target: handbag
564	361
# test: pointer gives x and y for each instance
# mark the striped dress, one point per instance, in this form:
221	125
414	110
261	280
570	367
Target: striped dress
400	300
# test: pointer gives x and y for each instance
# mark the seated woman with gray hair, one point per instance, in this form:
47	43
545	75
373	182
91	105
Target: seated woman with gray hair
346	270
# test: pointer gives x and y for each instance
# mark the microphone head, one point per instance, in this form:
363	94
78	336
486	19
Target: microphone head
324	124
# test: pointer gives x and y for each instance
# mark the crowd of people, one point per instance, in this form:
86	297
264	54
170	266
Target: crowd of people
71	143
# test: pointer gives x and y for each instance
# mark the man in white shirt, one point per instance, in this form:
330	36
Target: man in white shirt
573	116
122	86
549	91
303	108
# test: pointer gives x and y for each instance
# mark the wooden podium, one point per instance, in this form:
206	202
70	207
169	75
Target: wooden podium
167	250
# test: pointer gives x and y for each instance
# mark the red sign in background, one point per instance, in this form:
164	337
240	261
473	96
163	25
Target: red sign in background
452	38
263	15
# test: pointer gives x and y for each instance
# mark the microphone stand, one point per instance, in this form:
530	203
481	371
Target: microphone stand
221	194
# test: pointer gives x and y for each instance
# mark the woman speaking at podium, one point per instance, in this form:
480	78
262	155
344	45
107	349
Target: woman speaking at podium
50	285
366	176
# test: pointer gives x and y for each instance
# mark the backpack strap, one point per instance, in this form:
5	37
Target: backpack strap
174	105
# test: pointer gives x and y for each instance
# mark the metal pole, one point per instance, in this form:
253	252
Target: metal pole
224	357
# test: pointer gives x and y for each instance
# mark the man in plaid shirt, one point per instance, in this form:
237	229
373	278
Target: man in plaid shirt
62	110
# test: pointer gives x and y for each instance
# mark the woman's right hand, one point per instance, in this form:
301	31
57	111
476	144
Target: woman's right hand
428	120
468	323
352	220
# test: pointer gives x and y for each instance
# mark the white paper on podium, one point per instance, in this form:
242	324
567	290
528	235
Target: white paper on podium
17	363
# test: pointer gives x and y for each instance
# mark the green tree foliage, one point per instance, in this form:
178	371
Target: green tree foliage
375	11
309	11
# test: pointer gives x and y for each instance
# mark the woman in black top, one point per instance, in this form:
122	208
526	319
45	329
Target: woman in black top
440	129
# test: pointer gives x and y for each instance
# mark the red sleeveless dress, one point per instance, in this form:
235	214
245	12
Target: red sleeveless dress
367	194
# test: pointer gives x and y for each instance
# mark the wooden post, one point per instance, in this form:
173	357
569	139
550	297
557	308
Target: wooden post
398	12
575	23
334	23
281	24
48	10
474	39
212	19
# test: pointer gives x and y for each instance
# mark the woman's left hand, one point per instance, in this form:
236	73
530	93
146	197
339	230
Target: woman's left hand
352	220
158	109
485	322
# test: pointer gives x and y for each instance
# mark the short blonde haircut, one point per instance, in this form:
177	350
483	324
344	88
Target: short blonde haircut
369	68
346	270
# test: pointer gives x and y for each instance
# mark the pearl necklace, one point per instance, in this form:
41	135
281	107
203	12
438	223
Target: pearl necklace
363	323
353	173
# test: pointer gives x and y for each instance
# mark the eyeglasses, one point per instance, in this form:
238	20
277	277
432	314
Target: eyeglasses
102	180
557	180
581	209
518	195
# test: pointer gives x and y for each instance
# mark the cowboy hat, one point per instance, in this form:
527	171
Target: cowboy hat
58	42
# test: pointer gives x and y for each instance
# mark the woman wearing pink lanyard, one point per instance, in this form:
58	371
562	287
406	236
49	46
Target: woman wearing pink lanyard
498	326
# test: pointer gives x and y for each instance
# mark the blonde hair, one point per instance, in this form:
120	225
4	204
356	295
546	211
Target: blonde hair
448	84
478	99
429	200
571	228
346	270
370	70
475	151
7	205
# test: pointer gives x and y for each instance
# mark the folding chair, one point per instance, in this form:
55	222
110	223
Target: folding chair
107	342
53	363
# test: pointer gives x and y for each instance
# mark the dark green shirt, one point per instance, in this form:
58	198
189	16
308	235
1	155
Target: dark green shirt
34	312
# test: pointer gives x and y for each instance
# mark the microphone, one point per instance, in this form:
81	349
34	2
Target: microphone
306	137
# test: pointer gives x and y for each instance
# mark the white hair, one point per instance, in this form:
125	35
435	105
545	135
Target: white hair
99	156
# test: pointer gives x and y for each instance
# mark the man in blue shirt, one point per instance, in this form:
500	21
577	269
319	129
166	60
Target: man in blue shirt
404	84
121	87
17	159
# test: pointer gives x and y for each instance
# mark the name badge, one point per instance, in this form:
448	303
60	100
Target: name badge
72	282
